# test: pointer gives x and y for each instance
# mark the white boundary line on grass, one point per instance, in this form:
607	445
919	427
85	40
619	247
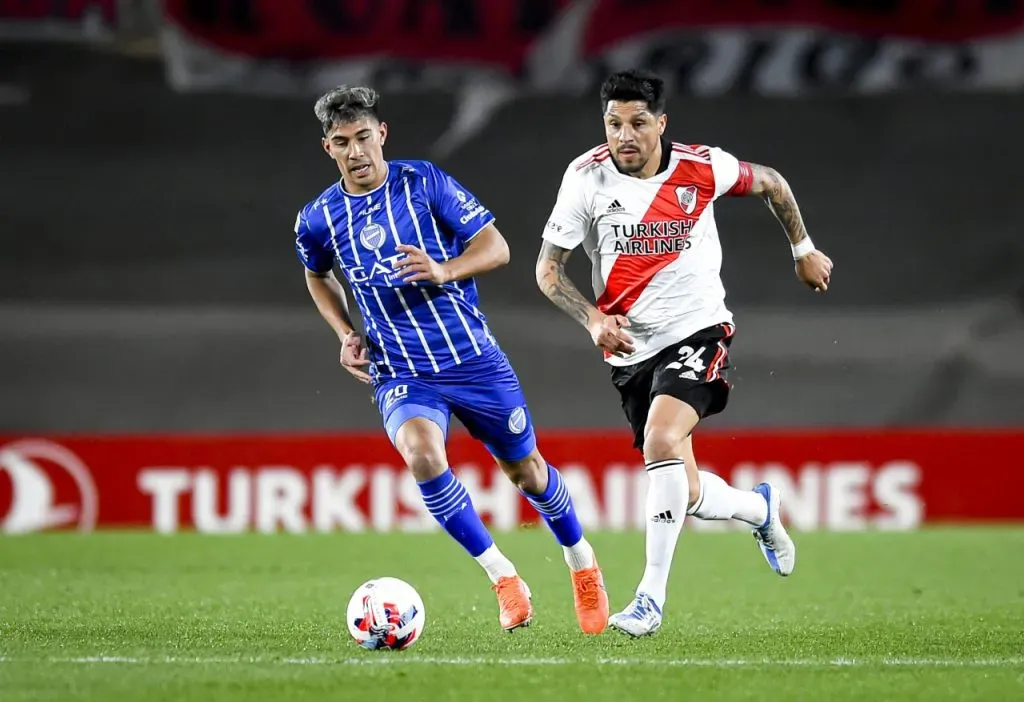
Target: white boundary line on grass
398	659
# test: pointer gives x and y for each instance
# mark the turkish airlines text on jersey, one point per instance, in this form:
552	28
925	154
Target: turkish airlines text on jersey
833	481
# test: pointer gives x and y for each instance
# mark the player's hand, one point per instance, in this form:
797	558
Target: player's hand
418	266
354	356
608	335
815	270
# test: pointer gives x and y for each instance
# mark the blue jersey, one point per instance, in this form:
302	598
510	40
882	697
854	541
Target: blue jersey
412	329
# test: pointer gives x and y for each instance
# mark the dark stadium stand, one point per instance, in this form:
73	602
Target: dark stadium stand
148	279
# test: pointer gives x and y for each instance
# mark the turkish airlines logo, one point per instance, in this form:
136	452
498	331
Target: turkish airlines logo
44	486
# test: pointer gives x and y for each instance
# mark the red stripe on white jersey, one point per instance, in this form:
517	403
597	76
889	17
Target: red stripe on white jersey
698	150
631	274
691	156
596	155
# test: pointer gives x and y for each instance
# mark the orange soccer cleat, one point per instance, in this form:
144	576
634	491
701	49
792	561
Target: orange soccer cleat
591	599
514	606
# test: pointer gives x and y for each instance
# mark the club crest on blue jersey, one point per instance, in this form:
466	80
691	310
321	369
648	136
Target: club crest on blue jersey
517	421
372	236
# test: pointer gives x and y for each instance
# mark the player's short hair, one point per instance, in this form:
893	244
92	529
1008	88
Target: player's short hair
627	86
346	104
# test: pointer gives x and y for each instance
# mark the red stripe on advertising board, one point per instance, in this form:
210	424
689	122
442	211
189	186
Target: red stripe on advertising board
502	32
932	20
833	480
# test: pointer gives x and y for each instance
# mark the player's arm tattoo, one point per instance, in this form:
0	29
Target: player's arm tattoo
556	285
771	187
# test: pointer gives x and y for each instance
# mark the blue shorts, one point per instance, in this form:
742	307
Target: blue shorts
484	394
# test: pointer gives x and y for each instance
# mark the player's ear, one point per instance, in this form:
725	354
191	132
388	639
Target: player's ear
662	122
327	146
383	132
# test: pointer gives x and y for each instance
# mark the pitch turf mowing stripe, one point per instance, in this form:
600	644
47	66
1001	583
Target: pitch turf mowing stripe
400	659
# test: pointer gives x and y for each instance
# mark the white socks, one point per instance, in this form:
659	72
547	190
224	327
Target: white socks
667	495
579	556
496	564
719	500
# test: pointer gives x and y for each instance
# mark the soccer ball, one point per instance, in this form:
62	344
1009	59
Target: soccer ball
386	613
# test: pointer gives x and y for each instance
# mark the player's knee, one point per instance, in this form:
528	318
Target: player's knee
426	462
529	475
662	443
423	454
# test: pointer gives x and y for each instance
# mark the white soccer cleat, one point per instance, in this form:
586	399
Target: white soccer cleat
641	618
778	549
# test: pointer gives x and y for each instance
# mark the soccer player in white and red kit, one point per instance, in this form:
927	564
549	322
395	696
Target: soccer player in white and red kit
642	208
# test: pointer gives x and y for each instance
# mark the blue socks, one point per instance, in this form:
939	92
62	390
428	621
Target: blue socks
448	501
555	505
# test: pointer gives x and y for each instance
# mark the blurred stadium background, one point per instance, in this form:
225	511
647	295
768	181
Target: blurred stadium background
150	184
154	156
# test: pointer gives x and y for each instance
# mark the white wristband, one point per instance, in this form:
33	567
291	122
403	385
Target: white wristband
803	248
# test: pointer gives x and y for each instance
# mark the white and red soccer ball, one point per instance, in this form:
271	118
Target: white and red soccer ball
386	613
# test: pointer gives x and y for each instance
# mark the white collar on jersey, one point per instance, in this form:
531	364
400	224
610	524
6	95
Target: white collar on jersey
345	193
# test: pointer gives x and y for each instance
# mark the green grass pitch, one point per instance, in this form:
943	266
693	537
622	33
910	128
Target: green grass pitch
930	615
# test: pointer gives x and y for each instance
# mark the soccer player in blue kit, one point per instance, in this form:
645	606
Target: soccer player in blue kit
409	239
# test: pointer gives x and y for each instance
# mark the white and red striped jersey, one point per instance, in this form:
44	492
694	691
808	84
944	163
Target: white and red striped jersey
653	242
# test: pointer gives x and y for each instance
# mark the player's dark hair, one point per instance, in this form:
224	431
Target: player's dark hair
627	86
346	104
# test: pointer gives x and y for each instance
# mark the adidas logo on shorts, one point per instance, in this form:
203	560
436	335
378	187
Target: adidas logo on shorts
663	518
689	375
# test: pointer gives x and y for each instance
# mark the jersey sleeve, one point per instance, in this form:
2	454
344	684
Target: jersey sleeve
732	176
569	221
310	249
455	207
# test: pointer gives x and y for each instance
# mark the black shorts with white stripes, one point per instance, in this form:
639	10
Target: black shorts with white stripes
693	371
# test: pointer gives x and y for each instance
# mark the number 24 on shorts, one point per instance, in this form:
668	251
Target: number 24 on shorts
689	357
